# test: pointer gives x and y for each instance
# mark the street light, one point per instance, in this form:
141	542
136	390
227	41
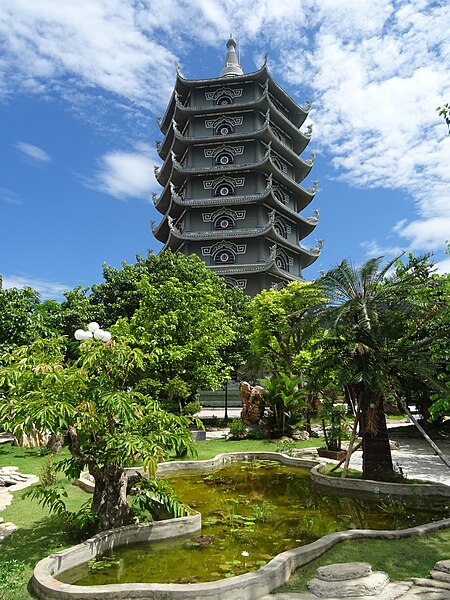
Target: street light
94	331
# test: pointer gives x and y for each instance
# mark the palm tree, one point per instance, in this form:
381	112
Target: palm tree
372	343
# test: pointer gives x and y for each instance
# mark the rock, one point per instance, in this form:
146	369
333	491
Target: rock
343	571
253	404
443	565
440	575
7	529
370	585
300	436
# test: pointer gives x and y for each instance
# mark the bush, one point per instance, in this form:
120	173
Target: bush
191	408
238	430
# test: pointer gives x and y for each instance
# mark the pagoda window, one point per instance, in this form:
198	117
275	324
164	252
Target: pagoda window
224	128
279	195
224	256
224	158
224	189
281	228
224	221
282	260
280	164
224	99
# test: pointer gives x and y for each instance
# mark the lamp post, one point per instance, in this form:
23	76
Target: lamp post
94	331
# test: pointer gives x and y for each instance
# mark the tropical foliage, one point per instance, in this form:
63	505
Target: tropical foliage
110	425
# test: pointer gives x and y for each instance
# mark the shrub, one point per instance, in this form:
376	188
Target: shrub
238	430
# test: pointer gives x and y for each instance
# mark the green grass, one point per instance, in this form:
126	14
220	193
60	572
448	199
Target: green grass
401	559
39	533
211	448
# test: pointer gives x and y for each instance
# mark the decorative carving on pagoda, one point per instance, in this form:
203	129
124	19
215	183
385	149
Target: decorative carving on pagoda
307	106
316	249
309	130
313	189
315	216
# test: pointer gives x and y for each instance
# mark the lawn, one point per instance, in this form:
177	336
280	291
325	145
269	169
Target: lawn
40	533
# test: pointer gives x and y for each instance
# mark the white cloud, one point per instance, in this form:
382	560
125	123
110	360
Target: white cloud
46	288
443	266
374	250
427	234
32	152
94	43
9	196
127	174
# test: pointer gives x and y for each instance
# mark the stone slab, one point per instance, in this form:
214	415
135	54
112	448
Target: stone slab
371	585
440	576
343	571
443	565
7	529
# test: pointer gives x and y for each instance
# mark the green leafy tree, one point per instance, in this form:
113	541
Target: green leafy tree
18	321
186	326
284	325
110	425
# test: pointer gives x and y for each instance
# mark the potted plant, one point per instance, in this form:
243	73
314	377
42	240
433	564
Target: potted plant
333	424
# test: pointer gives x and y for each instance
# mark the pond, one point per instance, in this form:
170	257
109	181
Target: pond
251	511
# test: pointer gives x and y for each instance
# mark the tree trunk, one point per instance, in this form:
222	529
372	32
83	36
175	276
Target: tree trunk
377	457
110	497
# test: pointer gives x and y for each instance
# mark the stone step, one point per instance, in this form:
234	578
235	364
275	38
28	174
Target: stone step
443	565
370	585
343	571
431	583
440	576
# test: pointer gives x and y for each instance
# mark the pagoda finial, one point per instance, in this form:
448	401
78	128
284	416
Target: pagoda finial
232	66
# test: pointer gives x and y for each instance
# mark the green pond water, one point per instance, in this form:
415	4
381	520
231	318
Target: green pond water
256	508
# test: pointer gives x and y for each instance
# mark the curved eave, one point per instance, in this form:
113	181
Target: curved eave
182	82
262	75
265	133
305	225
275	270
182	113
302	197
222	234
307	257
162	230
266	166
267	267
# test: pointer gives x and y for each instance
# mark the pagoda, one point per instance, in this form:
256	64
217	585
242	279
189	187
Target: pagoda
231	177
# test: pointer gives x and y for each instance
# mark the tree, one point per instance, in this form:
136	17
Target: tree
110	425
284	325
18	322
375	342
186	326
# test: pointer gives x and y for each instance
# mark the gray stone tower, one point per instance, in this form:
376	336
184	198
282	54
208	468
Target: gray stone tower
232	176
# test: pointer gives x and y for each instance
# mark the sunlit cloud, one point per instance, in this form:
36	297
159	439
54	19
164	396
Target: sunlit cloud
32	152
9	196
47	289
126	175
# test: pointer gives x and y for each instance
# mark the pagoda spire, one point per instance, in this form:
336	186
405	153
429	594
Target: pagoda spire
232	66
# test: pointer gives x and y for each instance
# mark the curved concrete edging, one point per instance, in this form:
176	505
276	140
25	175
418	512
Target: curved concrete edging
379	487
250	586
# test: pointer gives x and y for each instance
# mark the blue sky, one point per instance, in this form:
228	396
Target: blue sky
81	82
